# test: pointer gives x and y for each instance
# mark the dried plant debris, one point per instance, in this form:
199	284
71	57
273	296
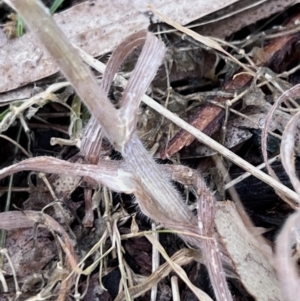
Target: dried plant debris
25	52
240	15
28	253
246	253
80	234
209	118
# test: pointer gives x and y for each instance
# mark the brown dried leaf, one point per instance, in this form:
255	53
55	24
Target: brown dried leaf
62	237
97	27
14	220
28	254
224	27
254	269
60	233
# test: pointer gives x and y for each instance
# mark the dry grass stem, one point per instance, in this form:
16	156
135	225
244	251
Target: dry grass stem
288	145
287	245
180	272
181	257
205	40
284	97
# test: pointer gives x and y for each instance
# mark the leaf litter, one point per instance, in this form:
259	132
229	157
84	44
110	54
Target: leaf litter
86	227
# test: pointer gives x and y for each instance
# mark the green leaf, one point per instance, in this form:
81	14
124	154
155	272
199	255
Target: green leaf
55	6
20	26
3	114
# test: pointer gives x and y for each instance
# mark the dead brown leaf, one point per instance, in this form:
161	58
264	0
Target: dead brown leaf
97	28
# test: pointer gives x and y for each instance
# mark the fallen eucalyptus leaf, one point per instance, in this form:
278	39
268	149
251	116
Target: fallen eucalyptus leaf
97	27
253	267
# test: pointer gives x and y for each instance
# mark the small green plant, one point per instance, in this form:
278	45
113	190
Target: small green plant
20	24
55	6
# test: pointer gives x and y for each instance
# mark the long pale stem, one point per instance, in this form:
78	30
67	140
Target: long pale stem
39	21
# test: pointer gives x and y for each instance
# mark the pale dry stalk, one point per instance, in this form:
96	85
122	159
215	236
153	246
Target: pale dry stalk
287	245
293	92
210	249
